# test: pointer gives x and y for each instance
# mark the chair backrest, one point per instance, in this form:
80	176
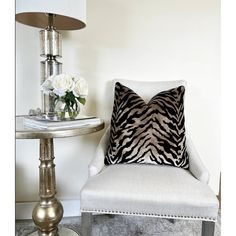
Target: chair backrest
148	89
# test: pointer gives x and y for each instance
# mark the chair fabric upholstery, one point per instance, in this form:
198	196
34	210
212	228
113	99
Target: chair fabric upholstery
150	190
163	191
196	166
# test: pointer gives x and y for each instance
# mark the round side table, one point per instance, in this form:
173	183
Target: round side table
48	212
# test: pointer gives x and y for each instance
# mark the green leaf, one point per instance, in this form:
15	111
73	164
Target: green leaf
82	100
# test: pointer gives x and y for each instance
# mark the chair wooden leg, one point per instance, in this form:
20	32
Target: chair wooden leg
86	224
208	228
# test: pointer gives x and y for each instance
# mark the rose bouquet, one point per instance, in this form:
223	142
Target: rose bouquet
68	91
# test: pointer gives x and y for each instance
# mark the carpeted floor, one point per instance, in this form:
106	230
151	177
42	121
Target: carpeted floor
110	225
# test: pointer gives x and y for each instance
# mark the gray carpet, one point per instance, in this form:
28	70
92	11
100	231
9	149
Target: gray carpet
110	225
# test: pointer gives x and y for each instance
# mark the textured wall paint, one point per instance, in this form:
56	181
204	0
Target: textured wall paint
137	40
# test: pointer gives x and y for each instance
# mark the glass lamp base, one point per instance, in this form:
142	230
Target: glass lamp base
61	232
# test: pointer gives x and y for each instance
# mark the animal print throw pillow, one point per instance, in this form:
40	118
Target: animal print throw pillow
151	133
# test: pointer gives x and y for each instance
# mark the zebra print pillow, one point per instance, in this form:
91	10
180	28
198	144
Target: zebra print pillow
151	133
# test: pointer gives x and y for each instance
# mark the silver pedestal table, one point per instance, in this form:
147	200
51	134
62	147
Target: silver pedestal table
49	211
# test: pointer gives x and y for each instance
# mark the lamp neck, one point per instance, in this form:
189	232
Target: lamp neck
50	21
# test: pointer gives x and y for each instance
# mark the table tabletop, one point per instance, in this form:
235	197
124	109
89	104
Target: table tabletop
24	132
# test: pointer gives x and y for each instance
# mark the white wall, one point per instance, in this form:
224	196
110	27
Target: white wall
137	40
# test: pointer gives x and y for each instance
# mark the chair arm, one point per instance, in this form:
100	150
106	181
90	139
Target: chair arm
196	165
97	163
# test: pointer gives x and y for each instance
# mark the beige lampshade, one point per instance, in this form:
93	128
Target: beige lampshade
70	14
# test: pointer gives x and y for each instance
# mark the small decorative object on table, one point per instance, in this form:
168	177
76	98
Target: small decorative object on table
68	92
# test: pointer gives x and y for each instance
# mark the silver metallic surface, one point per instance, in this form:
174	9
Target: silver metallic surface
50	47
23	132
49	67
208	228
48	212
50	43
61	232
86	223
50	20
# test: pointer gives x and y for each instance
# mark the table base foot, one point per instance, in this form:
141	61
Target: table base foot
61	232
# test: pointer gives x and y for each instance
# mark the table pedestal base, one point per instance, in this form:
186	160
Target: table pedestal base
61	232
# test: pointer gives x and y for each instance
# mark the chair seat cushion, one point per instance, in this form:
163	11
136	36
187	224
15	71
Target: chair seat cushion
160	191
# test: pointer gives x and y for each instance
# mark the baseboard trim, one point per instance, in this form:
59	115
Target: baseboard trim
24	210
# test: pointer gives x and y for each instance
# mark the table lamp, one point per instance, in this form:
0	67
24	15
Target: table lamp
51	15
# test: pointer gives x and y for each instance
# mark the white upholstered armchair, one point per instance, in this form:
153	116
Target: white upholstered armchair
149	190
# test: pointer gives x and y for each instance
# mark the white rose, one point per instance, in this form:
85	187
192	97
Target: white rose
62	83
81	88
46	86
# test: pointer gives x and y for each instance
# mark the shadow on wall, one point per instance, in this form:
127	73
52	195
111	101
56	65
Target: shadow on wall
72	163
110	88
30	192
86	52
109	17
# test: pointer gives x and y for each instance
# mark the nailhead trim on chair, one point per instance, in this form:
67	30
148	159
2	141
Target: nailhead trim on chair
151	215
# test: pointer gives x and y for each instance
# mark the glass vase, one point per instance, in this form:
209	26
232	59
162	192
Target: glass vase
65	112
